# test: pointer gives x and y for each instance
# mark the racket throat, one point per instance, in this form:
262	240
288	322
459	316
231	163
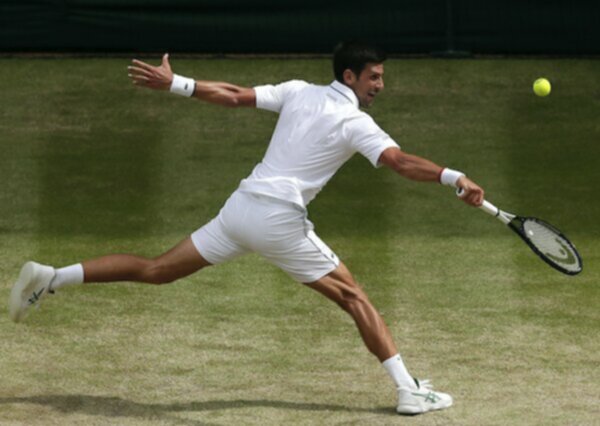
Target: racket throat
505	218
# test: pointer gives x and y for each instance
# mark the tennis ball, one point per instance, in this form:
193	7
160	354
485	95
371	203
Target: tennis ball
541	87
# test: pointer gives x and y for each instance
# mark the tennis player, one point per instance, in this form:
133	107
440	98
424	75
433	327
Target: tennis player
319	129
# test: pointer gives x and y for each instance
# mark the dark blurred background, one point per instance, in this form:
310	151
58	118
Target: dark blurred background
445	27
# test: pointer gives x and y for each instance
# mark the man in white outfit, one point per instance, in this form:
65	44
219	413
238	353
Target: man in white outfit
319	129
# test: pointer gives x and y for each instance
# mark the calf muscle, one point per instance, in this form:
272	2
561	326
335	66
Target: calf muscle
340	287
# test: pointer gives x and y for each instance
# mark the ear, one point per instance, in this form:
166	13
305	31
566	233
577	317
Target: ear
349	77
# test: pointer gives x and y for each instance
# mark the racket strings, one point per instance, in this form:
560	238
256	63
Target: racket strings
552	245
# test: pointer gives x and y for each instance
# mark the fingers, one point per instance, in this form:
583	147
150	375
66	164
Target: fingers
165	61
146	75
143	65
139	76
477	199
139	71
148	67
480	197
473	196
139	79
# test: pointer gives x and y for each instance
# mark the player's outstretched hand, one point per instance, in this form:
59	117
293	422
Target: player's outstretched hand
146	75
472	193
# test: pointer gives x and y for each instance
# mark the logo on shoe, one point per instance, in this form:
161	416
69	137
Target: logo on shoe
429	397
36	296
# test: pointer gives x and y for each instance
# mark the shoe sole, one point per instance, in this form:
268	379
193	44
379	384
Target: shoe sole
417	409
15	305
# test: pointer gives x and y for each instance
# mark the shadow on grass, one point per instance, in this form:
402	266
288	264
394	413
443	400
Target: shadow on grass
118	407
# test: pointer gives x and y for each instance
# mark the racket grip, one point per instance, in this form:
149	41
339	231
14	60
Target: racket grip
487	207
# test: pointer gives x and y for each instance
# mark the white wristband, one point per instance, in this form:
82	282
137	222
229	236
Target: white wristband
450	177
182	85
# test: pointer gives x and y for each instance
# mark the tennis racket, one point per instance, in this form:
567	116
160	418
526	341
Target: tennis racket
551	245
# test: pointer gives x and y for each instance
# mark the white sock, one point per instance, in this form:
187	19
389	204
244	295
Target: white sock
68	275
397	371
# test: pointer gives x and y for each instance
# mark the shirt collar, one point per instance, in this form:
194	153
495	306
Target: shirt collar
345	91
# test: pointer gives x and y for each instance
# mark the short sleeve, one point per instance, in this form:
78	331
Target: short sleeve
273	97
367	138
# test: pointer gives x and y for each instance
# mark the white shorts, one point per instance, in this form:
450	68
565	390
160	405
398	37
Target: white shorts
276	229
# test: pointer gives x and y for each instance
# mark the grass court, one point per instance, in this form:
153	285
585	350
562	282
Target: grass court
92	165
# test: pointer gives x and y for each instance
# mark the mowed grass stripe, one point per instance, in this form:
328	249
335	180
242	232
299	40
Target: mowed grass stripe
99	157
20	141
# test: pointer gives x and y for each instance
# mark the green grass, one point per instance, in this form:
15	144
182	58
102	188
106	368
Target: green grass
90	166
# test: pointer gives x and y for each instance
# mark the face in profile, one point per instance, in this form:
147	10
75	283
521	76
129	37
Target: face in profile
367	85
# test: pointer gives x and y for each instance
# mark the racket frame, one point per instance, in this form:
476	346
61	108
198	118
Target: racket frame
515	223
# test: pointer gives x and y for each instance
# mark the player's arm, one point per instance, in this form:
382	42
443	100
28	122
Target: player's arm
215	92
225	94
420	169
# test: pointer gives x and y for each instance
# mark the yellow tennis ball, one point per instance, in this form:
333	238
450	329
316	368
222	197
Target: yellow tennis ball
541	87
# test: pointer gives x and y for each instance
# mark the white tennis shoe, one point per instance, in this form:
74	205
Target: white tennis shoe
422	399
31	287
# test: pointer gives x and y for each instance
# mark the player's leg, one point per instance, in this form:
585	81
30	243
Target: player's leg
36	281
208	245
414	397
339	286
181	261
283	235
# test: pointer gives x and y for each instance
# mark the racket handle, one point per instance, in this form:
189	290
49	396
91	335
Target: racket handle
487	207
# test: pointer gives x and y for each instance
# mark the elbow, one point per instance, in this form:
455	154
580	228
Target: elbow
394	159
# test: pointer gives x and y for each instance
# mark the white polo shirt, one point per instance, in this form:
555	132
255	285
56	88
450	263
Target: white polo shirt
319	129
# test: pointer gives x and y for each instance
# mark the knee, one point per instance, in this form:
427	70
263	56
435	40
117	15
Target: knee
158	273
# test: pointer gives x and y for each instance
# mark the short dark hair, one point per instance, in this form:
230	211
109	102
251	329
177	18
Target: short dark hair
354	55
